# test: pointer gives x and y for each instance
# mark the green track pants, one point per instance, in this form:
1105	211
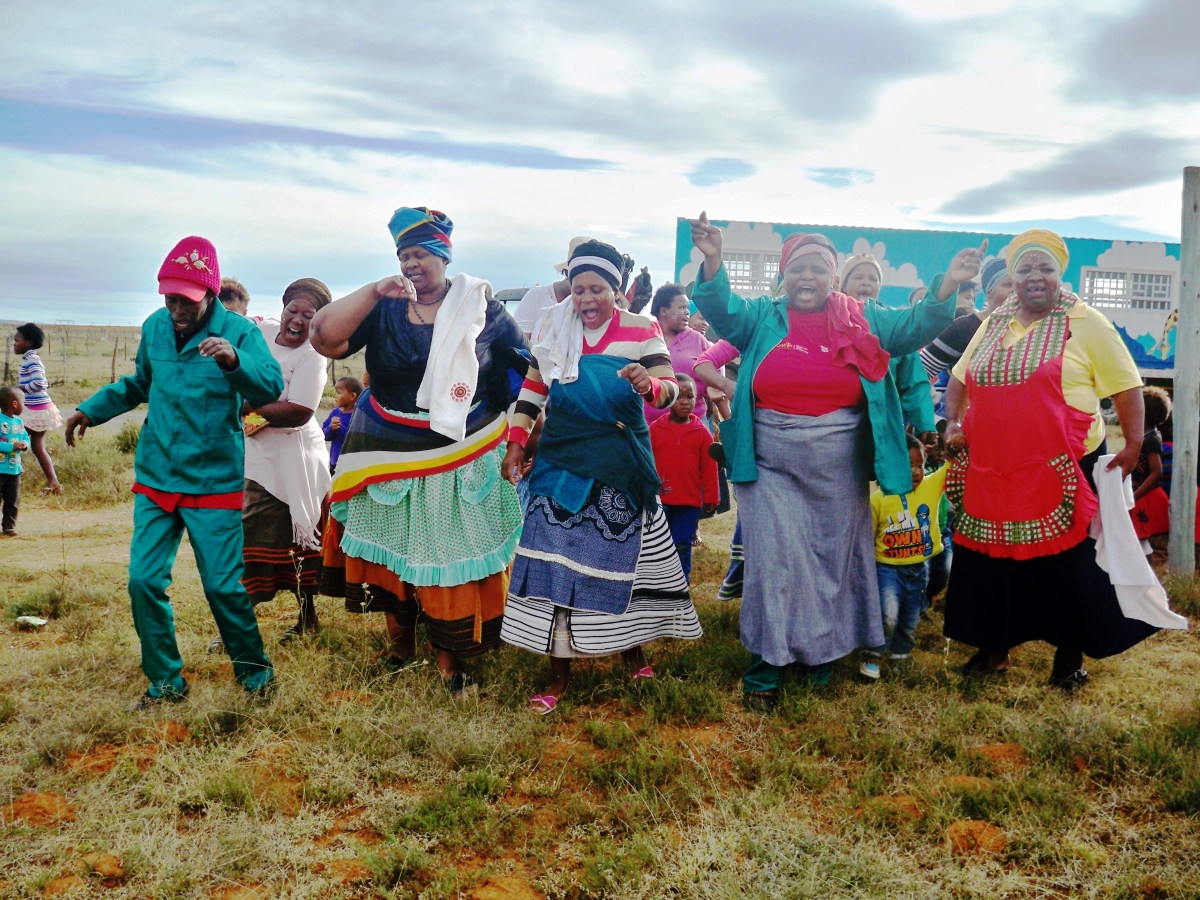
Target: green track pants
216	538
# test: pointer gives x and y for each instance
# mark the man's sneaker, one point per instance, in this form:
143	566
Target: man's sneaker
149	701
869	670
898	657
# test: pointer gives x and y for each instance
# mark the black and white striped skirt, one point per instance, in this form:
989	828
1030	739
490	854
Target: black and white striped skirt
659	603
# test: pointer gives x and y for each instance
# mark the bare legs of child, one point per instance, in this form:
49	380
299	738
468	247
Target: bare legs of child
560	673
37	443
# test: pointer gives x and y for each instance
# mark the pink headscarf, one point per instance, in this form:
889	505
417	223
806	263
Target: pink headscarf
851	341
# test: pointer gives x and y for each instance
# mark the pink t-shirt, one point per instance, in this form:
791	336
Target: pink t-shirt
687	346
798	377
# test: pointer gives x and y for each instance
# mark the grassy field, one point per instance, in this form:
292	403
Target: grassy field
354	782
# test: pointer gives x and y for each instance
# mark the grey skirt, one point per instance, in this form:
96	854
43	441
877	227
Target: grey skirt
810	593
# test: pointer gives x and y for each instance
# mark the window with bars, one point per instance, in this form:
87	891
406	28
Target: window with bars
751	274
740	269
1126	290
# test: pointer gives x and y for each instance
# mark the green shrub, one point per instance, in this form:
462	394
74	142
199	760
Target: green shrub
127	438
48	603
94	473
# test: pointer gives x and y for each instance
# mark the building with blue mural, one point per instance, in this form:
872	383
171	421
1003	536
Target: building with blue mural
1135	284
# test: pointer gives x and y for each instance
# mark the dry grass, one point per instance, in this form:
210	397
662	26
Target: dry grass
353	782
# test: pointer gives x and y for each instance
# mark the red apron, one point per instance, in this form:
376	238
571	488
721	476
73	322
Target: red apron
1019	492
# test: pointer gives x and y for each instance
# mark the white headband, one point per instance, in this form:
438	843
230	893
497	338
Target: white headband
597	261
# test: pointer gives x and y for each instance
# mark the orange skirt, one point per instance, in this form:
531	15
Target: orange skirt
464	619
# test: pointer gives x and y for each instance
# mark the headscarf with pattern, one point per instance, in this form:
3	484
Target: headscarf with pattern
417	226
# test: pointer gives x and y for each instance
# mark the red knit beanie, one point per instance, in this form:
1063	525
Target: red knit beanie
191	269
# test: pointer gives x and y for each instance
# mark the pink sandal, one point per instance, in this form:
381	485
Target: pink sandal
644	672
548	703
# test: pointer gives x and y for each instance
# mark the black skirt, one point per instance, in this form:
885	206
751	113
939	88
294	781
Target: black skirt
1066	600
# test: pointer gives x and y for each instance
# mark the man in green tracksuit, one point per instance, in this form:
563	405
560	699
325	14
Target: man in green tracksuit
195	364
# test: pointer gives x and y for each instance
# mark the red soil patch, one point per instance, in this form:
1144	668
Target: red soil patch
504	887
972	837
39	810
350	871
898	808
106	865
65	885
346	825
103	759
281	791
1005	756
171	732
968	784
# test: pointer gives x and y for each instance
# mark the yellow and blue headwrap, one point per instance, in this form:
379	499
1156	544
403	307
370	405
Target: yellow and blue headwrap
1038	239
412	226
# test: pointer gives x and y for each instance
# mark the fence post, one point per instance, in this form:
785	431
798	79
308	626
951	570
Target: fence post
1186	414
113	377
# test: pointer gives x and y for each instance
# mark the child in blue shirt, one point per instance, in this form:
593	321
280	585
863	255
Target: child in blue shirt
13	439
337	423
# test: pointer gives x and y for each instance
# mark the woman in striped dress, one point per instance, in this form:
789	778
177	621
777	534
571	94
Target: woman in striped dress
596	572
40	414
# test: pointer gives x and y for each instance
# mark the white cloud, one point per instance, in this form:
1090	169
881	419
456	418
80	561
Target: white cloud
903	276
1147	255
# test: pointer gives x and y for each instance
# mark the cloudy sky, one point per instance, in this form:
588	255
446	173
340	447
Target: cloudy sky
288	132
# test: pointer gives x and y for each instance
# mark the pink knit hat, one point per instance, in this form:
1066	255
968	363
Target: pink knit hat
191	269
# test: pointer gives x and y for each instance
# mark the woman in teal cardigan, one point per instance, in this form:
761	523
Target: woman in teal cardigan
817	419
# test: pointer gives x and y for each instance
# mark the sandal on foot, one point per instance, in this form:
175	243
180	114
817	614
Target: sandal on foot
295	632
459	685
542	706
1070	682
978	665
643	672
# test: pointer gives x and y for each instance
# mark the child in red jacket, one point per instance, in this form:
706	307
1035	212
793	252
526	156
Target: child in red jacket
688	473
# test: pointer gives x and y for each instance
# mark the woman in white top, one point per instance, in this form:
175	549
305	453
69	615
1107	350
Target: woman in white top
287	465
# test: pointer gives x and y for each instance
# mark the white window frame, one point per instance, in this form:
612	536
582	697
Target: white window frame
1128	301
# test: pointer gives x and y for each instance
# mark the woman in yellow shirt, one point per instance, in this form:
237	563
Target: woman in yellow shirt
1023	410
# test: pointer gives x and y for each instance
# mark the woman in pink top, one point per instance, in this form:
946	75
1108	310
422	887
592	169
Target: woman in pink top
670	307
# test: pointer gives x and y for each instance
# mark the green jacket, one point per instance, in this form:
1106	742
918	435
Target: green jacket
755	327
192	441
916	395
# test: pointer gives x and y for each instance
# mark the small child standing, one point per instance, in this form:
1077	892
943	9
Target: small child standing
1151	510
689	475
13	440
907	535
345	395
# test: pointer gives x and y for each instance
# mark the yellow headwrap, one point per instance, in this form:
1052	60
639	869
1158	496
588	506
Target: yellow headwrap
1038	239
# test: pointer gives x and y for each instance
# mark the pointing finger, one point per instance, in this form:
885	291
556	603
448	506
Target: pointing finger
983	247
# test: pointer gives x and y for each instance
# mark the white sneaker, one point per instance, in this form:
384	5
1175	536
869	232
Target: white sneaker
898	657
869	670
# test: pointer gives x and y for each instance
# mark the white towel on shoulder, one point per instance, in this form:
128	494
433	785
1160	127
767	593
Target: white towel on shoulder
559	343
453	368
1119	552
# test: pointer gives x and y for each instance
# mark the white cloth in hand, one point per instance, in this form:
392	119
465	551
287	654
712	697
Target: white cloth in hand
1119	552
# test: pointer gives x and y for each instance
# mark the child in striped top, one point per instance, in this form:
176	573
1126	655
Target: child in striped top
41	415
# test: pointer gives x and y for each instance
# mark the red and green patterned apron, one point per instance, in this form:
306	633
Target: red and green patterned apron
1019	492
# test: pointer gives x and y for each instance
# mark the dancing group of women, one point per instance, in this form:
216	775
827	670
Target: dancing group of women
500	488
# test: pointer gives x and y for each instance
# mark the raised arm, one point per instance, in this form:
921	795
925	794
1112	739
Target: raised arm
333	326
732	316
906	330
